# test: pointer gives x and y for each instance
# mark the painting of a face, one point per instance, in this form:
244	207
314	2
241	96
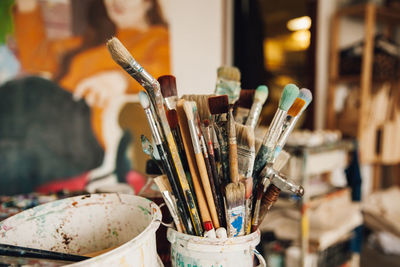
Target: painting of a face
128	13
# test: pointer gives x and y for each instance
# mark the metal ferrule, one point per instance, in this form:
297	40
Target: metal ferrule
195	139
284	184
140	74
170	102
267	172
254	114
153	126
275	128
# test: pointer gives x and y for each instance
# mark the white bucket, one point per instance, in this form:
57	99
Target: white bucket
188	250
85	224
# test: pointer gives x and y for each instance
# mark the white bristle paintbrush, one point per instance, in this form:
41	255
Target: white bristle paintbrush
289	94
122	56
234	191
260	96
300	104
169	199
246	154
188	107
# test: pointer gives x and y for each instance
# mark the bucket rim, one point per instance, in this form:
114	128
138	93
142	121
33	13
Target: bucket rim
199	243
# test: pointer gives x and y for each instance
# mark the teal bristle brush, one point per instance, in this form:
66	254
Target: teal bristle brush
260	96
294	113
289	94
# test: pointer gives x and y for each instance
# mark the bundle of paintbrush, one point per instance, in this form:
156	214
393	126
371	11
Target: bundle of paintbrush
215	184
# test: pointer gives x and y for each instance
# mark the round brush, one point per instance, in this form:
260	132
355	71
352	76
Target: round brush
289	94
260	97
294	113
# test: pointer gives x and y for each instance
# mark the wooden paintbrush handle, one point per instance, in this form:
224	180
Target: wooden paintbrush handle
207	189
187	142
233	163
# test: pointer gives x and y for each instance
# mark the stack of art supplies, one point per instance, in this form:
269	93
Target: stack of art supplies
215	183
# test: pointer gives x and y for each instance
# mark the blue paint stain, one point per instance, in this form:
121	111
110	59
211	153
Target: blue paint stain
237	224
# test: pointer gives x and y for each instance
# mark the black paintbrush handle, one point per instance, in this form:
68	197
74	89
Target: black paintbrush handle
176	190
219	202
17	251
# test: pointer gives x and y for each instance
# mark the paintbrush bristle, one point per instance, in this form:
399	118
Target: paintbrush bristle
144	99
229	73
245	136
172	118
261	94
235	194
163	183
289	94
296	107
281	160
201	103
306	95
168	85
218	104
246	98
206	123
187	106
118	52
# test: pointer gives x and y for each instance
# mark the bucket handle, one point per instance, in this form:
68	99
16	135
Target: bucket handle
168	225
260	259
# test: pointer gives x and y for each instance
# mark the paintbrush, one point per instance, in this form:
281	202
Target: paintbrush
300	104
234	191
289	94
183	206
219	107
122	56
260	97
246	154
166	192
188	107
149	150
190	155
209	172
218	199
244	105
18	251
228	83
168	90
201	104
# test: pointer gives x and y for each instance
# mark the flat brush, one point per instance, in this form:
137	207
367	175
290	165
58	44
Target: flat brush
244	104
183	206
235	209
188	107
168	90
219	106
260	97
246	154
166	192
228	83
122	56
187	142
289	94
294	113
201	104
